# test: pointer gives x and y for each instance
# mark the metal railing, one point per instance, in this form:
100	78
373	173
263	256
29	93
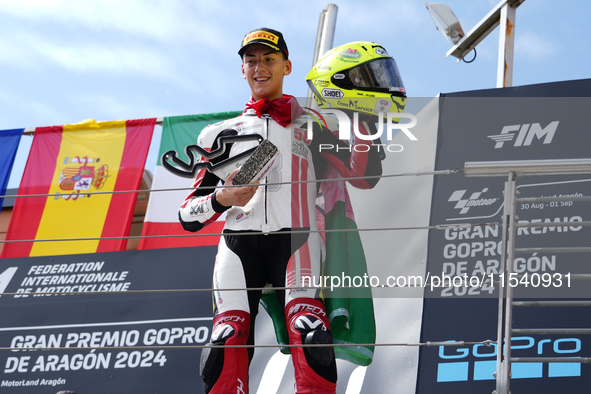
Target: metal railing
512	170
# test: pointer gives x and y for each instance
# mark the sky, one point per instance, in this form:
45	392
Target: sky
64	61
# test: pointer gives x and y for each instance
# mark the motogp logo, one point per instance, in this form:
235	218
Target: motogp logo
464	204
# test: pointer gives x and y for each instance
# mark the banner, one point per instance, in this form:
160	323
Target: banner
9	140
127	321
70	163
536	122
131	321
162	214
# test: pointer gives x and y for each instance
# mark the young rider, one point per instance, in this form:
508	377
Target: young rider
270	232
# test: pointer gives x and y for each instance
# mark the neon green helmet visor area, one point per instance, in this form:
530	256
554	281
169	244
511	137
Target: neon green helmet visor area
359	76
379	75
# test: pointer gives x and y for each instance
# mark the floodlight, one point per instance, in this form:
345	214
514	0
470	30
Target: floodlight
446	22
503	14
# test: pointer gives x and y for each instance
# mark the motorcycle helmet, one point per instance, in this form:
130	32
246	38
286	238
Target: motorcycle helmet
359	76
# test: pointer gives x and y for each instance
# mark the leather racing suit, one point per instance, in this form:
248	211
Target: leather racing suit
284	201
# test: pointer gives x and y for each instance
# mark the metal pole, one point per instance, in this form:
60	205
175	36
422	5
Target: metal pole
318	37
527	167
506	46
505	331
505	313
324	38
330	22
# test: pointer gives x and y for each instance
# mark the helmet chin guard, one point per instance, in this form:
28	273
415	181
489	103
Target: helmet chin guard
359	76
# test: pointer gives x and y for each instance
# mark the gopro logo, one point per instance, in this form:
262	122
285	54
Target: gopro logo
526	134
479	361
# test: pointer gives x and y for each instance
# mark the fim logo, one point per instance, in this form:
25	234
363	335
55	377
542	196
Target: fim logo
6	277
473	201
526	134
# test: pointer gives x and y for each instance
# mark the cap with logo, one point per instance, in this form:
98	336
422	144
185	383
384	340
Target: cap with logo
265	36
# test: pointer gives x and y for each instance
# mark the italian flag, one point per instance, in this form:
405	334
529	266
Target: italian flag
161	222
350	310
71	162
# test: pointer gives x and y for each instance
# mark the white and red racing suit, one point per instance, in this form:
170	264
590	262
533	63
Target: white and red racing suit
284	201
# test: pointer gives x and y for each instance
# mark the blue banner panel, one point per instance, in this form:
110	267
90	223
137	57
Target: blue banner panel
537	122
127	322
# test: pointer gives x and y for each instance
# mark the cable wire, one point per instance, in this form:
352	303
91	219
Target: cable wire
152	291
440	172
486	342
252	233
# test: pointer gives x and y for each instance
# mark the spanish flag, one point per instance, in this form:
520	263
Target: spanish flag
71	163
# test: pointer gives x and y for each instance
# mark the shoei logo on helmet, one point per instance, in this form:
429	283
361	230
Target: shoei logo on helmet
352	53
382	52
339	76
332	93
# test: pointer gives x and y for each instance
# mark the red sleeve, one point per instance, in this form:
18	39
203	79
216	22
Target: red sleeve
362	162
200	208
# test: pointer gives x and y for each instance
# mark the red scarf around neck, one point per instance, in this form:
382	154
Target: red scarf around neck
282	110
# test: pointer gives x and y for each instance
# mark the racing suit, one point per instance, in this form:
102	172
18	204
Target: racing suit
283	202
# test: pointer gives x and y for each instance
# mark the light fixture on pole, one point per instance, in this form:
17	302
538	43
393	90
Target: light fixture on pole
502	14
446	22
